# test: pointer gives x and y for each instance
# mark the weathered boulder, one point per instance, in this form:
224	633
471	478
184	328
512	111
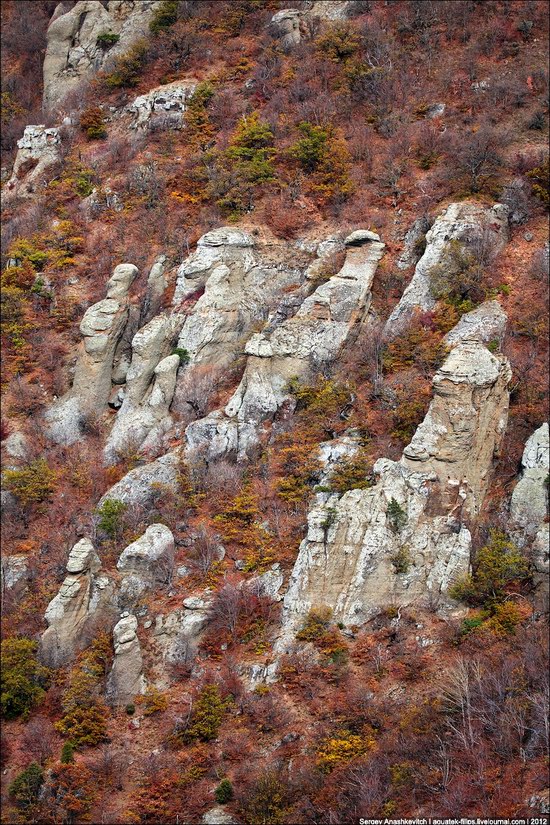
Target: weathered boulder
467	222
83	601
162	106
75	51
486	323
139	485
37	156
286	25
125	680
102	327
404	540
150	554
331	9
296	347
14	574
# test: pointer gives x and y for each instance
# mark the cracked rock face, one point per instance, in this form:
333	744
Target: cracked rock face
404	540
529	503
465	222
313	336
102	328
84	599
486	323
73	53
147	560
286	24
126	680
37	156
164	105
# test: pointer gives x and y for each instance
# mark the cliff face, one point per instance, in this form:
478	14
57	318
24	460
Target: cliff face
406	539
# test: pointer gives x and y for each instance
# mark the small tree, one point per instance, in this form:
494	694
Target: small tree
22	678
92	122
224	792
207	715
25	788
110	516
67	753
396	516
498	565
164	16
31	484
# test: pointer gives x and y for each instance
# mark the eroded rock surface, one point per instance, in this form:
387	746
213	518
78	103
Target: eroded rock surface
37	156
405	539
84	600
126	680
486	323
469	223
101	327
162	106
73	52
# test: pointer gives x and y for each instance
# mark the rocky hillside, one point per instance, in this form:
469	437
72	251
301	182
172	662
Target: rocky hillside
274	321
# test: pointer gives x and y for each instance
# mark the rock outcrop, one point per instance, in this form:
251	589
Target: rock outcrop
163	106
102	327
75	49
487	324
295	348
146	562
84	600
125	680
405	539
285	24
469	223
14	574
37	158
137	486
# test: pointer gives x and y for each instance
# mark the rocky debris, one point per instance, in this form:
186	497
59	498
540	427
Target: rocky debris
413	243
125	680
404	539
529	504
16	446
487	323
286	25
14	574
84	599
102	327
293	349
218	816
435	110
164	105
74	51
332	453
37	156
139	485
467	222
239	279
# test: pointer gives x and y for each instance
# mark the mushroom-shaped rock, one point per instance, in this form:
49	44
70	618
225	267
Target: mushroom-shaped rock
83	557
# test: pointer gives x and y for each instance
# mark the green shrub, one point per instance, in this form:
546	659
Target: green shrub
396	516
164	16
130	709
224	792
31	484
107	39
498	565
22	678
207	715
183	354
25	788
128	67
110	516
324	157
67	753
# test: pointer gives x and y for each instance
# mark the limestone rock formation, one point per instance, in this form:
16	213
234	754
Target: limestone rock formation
286	25
177	634
412	243
75	51
313	336
529	503
467	222
405	539
149	554
14	574
83	599
486	323
136	486
164	105
37	157
102	327
125	680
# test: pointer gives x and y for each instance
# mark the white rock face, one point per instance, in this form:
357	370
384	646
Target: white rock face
286	23
126	680
296	347
37	155
486	323
83	598
144	554
178	634
466	222
404	540
101	327
135	487
14	572
72	52
409	256
164	104
529	503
